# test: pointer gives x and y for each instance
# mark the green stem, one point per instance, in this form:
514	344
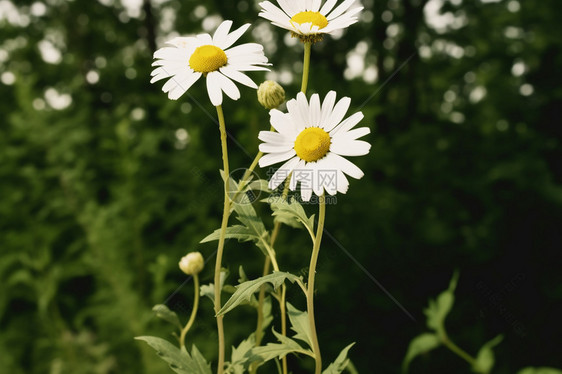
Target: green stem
193	311
220	249
306	66
457	350
310	285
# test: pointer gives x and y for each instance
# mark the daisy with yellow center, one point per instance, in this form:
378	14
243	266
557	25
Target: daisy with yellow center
309	19
189	58
311	140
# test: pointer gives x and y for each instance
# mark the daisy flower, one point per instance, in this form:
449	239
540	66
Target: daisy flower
307	20
189	58
311	139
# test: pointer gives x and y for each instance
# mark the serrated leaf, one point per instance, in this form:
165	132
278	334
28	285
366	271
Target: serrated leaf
163	312
418	346
438	309
485	359
341	362
246	290
208	290
179	360
291	213
543	370
277	350
240	356
299	324
238	232
201	364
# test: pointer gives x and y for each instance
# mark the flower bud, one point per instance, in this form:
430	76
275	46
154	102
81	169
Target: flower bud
192	263
271	95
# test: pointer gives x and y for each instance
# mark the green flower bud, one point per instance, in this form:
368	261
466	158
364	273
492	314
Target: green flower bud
192	263
271	95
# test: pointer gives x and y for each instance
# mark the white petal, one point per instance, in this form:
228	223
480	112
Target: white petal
355	133
344	165
316	5
327	107
283	172
349	147
314	111
214	88
275	148
244	49
288	7
302	106
340	9
228	87
219	38
171	54
283	123
328	6
274	158
337	114
343	183
184	85
238	76
294	112
347	125
274	137
299	167
235	35
306	193
205	39
272	13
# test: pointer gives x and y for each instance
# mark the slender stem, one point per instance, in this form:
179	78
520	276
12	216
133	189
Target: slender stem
306	66
311	278
457	350
283	306
193	311
220	249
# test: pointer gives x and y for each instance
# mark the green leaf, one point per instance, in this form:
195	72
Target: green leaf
277	350
252	228
240	356
418	346
208	290
485	359
201	364
542	370
245	291
299	324
266	310
291	213
163	312
341	362
438	309
179	360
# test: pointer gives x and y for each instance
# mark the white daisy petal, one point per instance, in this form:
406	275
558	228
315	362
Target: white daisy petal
348	124
306	193
228	86
314	113
316	5
281	174
296	115
345	165
183	86
327	108
302	105
357	133
274	137
273	158
342	182
235	35
288	7
344	147
275	148
337	114
328	6
219	38
214	88
238	76
340	9
205	39
283	123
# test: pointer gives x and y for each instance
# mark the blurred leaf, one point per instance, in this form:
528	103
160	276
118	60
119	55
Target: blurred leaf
291	213
179	360
419	346
341	362
240	356
277	350
485	359
163	312
438	309
542	370
208	290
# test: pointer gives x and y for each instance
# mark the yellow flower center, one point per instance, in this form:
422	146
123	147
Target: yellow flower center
316	18
207	58
312	144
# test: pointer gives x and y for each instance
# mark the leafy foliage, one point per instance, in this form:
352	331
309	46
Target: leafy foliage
180	361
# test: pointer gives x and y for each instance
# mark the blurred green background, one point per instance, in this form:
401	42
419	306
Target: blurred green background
105	183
